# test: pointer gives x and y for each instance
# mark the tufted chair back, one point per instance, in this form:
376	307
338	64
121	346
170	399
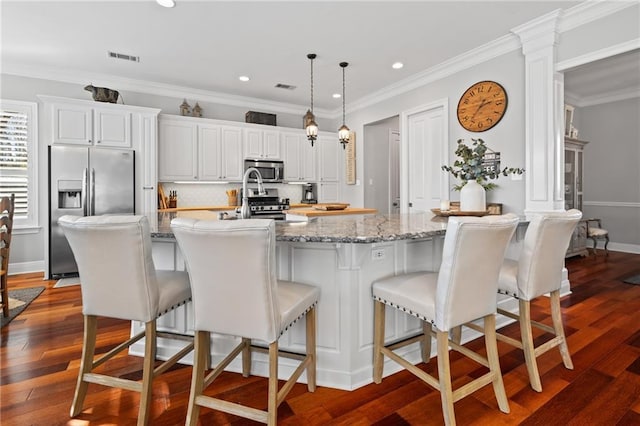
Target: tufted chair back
233	275
472	255
117	275
542	257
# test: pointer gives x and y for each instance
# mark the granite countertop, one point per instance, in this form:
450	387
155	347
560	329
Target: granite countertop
336	229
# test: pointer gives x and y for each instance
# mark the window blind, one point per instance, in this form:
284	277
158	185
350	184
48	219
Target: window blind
14	177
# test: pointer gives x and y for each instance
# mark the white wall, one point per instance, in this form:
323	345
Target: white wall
507	137
611	167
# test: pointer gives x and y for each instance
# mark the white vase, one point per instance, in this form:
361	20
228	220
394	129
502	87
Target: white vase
473	197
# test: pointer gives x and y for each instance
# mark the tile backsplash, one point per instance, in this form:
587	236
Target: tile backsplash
194	195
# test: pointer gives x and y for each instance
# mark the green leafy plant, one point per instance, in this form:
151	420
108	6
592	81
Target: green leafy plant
469	165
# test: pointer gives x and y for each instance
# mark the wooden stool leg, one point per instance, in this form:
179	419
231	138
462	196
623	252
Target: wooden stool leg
86	362
426	342
5	294
444	376
272	406
201	357
556	316
527	345
246	357
456	334
494	362
378	340
147	372
311	348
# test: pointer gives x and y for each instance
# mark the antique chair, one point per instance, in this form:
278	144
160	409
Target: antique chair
463	290
595	232
235	292
7	206
118	280
538	271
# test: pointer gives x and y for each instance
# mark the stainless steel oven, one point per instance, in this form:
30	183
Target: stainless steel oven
271	170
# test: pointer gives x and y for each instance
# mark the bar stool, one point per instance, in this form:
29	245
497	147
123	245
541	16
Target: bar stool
463	290
7	205
235	292
118	280
539	271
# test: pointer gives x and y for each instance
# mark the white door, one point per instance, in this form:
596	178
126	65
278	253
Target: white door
112	128
232	163
426	142
394	172
177	151
209	149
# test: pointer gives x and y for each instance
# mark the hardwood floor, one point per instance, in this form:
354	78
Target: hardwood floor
40	352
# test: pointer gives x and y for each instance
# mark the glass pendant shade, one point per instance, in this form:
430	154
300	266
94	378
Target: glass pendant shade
343	135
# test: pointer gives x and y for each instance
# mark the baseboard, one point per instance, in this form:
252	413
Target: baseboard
625	248
26	267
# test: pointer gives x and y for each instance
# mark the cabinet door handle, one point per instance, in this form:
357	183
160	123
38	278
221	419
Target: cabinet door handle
147	187
88	140
98	141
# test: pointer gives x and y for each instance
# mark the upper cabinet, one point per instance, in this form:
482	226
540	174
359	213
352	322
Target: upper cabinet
262	144
189	150
331	158
91	125
299	157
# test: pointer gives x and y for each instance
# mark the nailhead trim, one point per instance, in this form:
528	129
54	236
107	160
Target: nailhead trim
172	307
300	316
403	309
505	292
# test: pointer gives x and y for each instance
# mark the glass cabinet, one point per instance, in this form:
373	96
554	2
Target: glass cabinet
573	178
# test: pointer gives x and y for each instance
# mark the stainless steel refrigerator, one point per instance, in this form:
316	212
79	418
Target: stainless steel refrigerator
85	181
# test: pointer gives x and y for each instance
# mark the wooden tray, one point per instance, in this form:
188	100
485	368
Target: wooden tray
331	207
447	213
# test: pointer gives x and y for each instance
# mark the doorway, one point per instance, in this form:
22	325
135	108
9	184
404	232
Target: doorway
382	165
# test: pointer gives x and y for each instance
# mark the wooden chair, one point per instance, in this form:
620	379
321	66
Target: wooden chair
118	280
463	290
232	269
538	271
595	232
7	206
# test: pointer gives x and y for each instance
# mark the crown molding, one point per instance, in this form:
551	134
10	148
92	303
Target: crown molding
159	89
493	49
586	101
617	49
590	11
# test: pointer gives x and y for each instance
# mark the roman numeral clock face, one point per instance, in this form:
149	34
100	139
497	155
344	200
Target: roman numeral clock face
482	106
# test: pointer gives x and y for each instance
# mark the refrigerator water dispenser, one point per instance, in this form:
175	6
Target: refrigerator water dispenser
69	194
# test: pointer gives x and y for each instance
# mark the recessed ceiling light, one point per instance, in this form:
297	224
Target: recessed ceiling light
166	3
337	95
243	78
397	65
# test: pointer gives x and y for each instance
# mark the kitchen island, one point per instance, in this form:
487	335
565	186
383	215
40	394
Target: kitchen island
342	255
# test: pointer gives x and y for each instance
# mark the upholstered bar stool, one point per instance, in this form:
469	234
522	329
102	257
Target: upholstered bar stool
235	292
538	271
7	206
118	280
463	290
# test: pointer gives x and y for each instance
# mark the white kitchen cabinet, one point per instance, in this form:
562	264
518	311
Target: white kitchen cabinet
190	150
219	152
328	192
177	150
80	124
299	157
262	144
149	160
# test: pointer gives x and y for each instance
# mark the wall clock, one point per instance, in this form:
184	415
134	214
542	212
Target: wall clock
482	106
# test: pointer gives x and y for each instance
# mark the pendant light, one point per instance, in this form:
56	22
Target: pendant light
343	131
309	119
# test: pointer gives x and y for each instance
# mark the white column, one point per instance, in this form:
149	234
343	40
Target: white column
544	143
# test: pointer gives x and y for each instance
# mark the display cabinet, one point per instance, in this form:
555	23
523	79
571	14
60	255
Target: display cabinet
573	190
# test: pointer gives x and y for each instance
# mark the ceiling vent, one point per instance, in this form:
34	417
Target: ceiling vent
126	57
285	86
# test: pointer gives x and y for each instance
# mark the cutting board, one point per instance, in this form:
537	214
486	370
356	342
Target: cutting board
327	207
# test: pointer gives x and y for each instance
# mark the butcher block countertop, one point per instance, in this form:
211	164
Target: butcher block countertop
313	212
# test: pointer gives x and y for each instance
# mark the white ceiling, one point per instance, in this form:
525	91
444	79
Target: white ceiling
207	45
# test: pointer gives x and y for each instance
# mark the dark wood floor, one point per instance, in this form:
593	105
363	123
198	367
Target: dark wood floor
40	350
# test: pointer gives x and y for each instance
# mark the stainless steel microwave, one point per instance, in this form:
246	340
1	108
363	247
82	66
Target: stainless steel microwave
271	170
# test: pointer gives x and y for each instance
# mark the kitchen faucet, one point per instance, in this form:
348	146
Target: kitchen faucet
245	212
